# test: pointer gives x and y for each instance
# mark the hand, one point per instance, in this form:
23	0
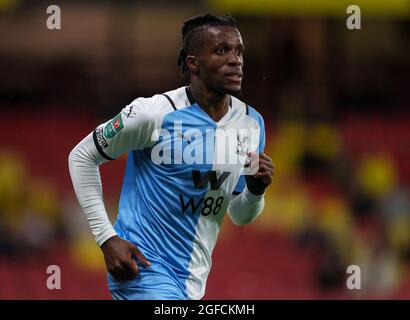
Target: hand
119	259
258	182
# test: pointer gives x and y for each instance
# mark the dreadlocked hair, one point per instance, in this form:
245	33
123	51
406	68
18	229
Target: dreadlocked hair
189	28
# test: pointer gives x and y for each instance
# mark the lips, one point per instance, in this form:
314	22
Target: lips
234	76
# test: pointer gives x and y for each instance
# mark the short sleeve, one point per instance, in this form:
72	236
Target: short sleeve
240	186
133	128
261	124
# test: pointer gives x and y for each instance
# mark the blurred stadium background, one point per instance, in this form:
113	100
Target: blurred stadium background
336	106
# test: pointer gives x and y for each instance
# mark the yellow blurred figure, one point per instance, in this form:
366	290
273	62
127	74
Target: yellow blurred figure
335	219
43	200
287	206
12	192
398	233
287	147
377	174
86	254
323	140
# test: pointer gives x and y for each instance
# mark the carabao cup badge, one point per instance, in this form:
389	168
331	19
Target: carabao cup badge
113	127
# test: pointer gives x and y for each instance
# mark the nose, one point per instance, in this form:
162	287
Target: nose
234	59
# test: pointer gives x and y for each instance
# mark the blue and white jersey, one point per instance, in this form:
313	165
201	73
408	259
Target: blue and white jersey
180	175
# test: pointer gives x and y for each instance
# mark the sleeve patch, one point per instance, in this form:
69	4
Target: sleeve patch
113	126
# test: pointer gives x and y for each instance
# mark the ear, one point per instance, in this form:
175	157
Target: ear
192	63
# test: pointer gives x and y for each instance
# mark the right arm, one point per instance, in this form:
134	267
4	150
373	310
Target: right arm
131	129
84	161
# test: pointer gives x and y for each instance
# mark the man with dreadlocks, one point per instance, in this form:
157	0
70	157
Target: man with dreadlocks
177	184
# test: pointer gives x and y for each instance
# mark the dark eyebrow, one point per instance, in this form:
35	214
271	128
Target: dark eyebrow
226	44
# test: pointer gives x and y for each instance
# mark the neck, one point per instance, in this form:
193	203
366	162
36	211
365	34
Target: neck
216	105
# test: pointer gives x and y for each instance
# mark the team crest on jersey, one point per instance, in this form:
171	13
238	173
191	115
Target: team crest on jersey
113	127
242	147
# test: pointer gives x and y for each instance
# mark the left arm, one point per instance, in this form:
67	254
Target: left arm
247	206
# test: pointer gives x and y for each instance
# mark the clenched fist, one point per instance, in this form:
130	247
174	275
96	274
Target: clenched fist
258	182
